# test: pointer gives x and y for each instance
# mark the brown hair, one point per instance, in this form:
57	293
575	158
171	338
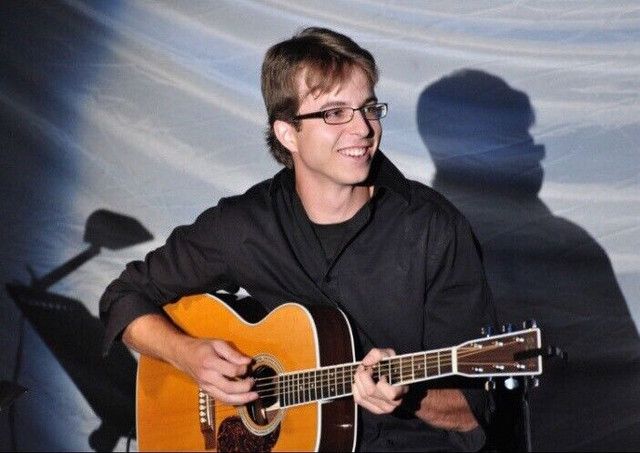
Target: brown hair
327	57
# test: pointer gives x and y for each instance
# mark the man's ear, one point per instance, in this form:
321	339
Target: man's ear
286	134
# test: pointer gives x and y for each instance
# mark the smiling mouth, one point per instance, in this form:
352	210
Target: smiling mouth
358	151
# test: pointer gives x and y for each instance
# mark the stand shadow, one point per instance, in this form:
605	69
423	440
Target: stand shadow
75	336
539	266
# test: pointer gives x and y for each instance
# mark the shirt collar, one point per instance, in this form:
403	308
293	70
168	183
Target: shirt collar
383	174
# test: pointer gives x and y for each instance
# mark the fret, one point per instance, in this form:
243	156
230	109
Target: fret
332	382
385	368
448	363
439	373
426	366
413	370
349	380
336	381
285	390
293	380
315	385
300	387
347	377
305	387
309	386
327	383
291	390
420	368
429	364
344	375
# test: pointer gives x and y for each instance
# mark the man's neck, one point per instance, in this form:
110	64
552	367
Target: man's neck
335	204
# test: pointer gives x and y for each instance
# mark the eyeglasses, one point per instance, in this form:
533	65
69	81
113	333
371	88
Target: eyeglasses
342	115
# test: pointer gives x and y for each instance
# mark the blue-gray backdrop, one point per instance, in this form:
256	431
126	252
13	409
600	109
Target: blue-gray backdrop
526	114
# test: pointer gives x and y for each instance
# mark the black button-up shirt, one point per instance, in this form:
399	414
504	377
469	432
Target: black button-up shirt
407	273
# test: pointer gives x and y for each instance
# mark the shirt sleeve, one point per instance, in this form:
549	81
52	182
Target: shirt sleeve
190	262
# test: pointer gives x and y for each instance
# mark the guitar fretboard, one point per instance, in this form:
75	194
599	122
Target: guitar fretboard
332	382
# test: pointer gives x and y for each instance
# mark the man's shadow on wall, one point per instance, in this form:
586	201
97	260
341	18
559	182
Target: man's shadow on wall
539	266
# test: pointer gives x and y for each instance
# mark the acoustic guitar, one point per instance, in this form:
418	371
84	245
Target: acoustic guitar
303	365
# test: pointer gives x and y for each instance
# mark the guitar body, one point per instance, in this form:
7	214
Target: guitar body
172	413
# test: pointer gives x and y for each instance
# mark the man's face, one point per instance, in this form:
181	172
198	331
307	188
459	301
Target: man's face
334	155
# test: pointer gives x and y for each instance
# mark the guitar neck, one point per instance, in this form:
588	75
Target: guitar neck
335	381
509	354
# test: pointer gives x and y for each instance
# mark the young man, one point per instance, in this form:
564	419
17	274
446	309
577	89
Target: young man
338	226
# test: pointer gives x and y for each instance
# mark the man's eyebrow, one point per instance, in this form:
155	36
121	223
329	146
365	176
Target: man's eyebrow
334	104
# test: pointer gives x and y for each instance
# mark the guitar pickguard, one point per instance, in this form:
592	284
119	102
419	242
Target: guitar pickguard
233	436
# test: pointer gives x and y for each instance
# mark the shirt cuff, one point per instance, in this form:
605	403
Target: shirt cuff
121	313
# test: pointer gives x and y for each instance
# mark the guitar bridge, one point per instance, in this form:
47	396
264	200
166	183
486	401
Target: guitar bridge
207	415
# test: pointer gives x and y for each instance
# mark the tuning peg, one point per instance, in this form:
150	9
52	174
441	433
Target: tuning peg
511	383
508	327
530	324
487	331
490	385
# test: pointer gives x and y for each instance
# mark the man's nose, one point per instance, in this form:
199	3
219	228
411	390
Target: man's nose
360	124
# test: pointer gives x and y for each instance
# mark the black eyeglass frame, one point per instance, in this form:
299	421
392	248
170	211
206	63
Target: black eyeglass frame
323	113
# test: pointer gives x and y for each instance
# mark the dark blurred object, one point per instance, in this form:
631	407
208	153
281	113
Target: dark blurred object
9	392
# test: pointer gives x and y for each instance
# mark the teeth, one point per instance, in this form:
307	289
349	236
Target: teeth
353	152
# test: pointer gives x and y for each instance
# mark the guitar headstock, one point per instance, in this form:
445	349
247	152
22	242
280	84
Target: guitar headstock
501	355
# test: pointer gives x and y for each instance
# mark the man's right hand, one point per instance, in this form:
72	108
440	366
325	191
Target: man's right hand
214	364
218	369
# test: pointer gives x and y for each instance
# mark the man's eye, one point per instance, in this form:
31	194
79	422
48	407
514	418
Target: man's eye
336	114
372	108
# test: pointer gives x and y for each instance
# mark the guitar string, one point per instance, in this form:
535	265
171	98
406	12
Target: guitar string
408	362
335	376
297	394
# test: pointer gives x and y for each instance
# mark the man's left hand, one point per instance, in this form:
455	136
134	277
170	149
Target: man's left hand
377	397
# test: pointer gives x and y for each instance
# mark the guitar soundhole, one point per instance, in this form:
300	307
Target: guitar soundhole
263	410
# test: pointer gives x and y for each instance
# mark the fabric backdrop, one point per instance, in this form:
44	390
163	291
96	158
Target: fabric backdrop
525	114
